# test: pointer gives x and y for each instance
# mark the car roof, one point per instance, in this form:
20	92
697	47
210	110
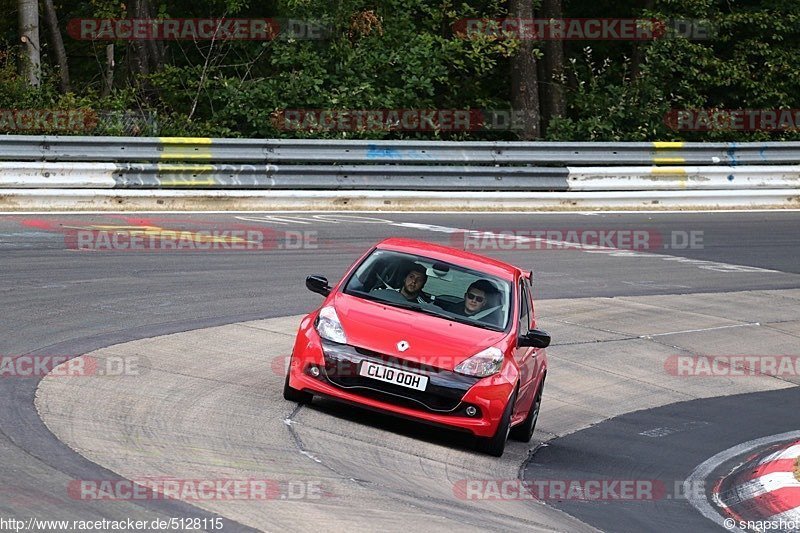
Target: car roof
452	255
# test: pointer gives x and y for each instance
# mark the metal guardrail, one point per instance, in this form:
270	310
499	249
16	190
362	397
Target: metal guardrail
72	175
288	151
278	164
342	177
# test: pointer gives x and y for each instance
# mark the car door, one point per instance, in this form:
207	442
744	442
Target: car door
538	359
525	356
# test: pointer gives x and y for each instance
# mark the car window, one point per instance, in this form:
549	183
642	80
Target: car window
383	274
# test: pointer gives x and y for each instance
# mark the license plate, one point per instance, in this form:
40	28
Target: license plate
392	375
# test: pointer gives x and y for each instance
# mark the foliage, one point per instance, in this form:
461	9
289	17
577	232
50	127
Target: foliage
404	54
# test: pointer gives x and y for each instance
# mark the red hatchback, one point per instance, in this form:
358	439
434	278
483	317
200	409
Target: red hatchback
430	333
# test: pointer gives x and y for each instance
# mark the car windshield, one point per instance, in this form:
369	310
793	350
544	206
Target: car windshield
433	287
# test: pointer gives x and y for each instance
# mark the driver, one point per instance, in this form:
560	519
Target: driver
413	283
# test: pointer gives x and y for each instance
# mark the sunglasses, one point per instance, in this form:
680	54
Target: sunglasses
475	297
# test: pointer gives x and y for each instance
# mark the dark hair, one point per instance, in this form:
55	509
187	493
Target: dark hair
483	285
416	267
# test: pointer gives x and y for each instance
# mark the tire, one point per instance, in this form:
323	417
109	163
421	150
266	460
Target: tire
496	444
524	431
294	395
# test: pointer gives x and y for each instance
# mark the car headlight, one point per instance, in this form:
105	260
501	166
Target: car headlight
482	364
329	327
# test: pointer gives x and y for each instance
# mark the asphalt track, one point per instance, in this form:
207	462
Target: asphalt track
61	301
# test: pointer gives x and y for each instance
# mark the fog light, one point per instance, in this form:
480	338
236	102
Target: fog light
315	371
471	411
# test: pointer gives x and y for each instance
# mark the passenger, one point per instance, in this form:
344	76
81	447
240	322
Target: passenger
475	299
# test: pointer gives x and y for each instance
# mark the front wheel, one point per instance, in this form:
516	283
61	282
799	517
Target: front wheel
496	444
294	395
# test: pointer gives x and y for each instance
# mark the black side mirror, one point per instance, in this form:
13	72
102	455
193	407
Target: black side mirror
318	284
535	338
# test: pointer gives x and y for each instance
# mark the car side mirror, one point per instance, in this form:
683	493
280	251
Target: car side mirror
535	338
318	284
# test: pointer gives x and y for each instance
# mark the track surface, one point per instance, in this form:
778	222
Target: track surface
68	302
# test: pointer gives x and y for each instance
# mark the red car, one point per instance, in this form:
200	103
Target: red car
431	333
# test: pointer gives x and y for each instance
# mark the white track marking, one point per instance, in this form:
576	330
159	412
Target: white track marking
749	324
669	430
274	219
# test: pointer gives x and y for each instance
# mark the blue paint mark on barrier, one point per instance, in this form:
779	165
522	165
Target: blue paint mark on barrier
761	153
732	155
730	177
375	152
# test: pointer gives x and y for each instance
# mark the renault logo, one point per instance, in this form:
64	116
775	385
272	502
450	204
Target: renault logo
402	346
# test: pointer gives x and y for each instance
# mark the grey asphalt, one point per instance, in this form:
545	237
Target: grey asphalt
616	449
57	300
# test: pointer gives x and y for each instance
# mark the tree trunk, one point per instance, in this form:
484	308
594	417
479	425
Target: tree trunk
140	47
639	47
524	79
108	77
553	81
58	44
31	66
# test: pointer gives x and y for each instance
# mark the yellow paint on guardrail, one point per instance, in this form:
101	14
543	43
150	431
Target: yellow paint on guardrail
667	145
185	147
668	171
661	145
671	172
177	175
185	140
185	182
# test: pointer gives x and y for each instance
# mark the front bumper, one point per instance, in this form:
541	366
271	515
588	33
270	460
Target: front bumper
443	403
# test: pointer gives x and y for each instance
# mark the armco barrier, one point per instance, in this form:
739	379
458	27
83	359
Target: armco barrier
341	177
409	174
28	174
173	149
688	177
71	175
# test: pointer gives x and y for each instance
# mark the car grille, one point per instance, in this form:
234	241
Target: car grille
443	393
